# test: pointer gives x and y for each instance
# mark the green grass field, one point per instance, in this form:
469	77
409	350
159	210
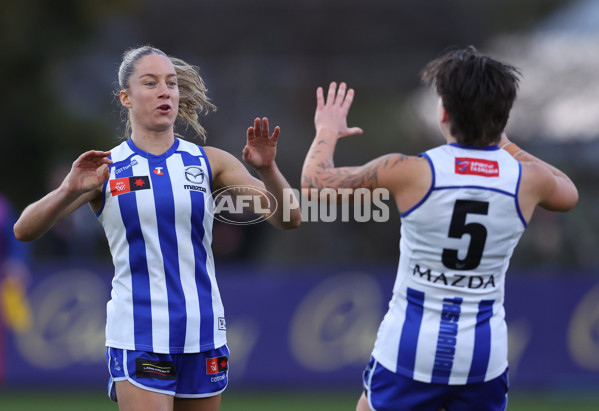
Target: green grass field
280	401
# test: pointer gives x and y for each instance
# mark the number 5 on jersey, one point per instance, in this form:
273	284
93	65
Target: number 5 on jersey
457	229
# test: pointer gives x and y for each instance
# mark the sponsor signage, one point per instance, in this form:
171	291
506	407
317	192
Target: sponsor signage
298	326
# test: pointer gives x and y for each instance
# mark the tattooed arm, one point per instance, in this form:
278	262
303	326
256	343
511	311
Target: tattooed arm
407	178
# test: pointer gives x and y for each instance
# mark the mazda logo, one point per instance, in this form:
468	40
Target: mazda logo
194	174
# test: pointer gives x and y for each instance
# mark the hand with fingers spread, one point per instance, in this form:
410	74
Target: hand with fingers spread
261	149
89	171
331	114
81	185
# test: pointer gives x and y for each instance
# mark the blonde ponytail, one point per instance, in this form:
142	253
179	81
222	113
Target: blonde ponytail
192	96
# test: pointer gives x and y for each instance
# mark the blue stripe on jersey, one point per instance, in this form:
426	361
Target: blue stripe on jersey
140	277
482	342
204	287
516	196
493	147
208	167
103	197
446	340
478	188
167	236
117	167
408	343
430	189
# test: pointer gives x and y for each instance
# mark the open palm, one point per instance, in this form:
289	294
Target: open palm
261	149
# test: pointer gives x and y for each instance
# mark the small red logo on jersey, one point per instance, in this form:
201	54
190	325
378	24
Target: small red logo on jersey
216	365
120	186
158	171
476	166
128	184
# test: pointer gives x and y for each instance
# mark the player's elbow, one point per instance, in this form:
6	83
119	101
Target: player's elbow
574	198
22	234
287	224
294	223
563	201
293	220
571	199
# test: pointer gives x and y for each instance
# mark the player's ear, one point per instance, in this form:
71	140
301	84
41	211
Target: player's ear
443	114
125	100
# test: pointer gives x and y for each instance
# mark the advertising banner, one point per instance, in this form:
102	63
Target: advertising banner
308	326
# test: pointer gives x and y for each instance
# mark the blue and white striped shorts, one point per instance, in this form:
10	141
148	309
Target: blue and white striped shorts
386	390
194	375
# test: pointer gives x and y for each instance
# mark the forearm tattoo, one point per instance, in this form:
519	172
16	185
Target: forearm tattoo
321	172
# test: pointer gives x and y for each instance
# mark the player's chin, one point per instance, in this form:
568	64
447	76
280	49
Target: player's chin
163	125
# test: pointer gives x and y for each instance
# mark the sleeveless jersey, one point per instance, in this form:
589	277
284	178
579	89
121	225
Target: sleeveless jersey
164	296
445	322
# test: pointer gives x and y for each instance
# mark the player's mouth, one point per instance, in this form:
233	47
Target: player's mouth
164	108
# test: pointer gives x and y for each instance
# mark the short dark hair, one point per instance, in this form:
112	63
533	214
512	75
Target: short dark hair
477	92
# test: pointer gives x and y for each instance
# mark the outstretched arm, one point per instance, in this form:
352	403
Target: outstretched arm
394	172
330	122
80	186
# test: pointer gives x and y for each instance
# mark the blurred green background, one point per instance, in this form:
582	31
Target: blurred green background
266	58
273	401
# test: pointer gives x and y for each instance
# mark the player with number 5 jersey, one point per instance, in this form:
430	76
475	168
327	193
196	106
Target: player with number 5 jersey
455	248
464	206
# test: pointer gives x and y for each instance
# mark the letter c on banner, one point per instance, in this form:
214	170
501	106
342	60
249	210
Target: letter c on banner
336	323
69	318
583	335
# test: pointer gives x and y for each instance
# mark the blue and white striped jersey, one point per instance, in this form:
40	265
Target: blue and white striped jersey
164	297
445	322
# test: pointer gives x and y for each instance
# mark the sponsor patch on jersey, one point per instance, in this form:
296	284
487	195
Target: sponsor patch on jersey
194	174
124	168
162	370
217	365
127	184
476	166
194	187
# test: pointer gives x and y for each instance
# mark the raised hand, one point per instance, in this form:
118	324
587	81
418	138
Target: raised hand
331	114
260	149
89	171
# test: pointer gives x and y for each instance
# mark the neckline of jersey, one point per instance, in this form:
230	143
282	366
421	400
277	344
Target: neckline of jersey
151	156
491	147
